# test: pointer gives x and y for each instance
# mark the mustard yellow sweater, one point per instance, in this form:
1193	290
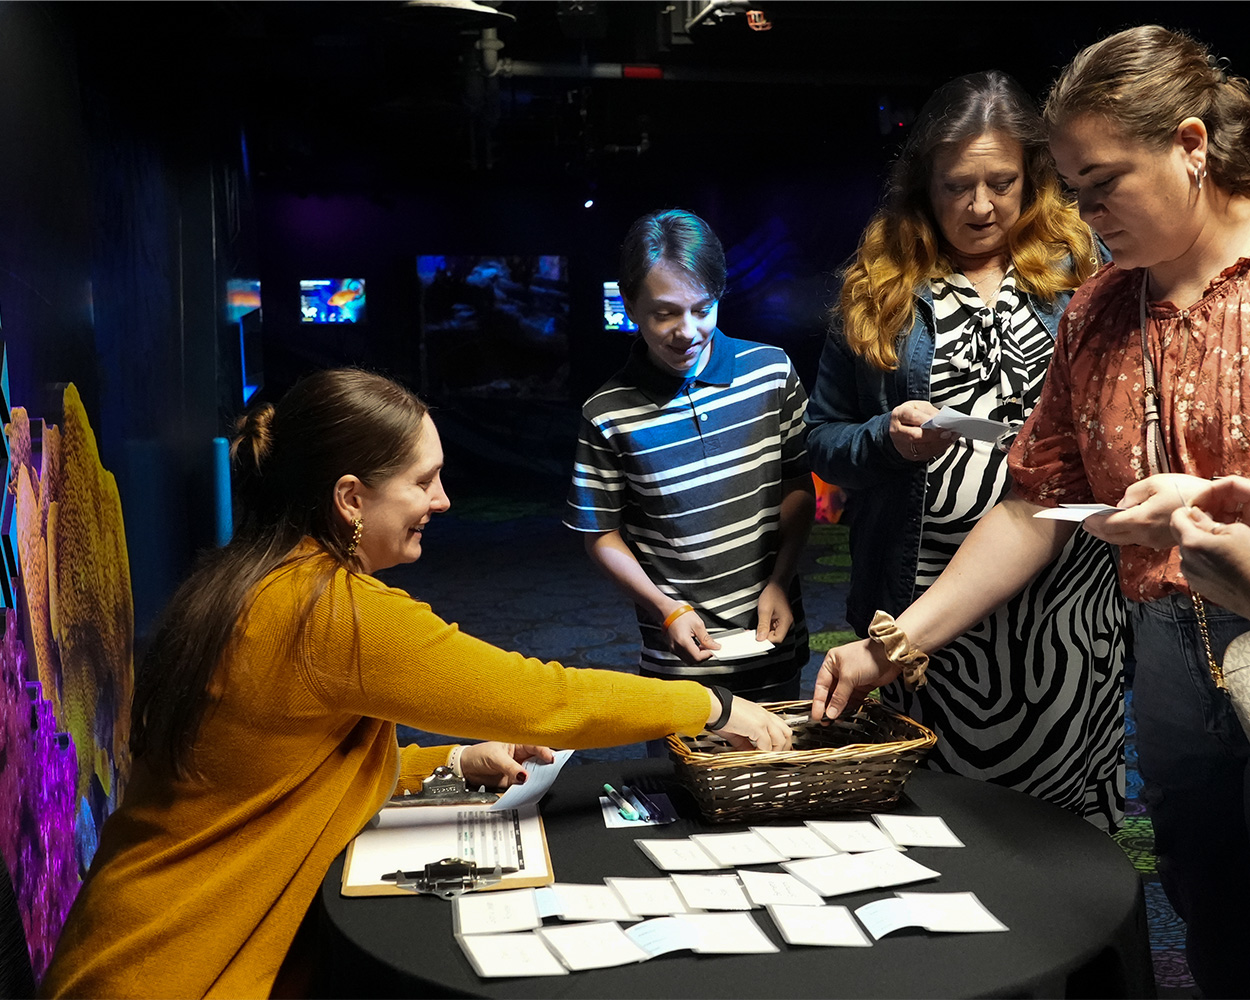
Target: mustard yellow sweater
198	887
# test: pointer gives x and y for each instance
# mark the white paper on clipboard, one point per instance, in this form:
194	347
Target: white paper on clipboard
511	838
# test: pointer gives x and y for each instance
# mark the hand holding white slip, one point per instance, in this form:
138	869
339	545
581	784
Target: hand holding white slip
1146	511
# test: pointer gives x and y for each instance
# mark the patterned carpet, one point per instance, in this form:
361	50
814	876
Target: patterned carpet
508	572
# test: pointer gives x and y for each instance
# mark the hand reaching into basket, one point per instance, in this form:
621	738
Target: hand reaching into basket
751	727
846	677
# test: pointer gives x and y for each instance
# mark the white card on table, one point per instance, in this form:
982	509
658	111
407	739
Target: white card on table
734	849
773	888
826	926
917	831
948	912
493	955
952	912
796	841
599	945
665	934
649	897
843	873
728	934
852	835
712	892
495	912
678	855
576	901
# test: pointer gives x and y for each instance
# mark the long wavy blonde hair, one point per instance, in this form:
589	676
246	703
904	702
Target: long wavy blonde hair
1051	248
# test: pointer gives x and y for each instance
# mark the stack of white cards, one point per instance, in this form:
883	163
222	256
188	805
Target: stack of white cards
502	932
557	950
815	839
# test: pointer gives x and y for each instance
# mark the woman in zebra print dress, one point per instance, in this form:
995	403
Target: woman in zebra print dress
953	300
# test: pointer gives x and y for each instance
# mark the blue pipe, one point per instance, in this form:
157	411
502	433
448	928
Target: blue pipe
221	490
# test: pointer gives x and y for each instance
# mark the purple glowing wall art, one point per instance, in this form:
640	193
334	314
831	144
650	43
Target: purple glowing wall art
64	755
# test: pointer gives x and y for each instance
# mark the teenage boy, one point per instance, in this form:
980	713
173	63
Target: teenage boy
691	481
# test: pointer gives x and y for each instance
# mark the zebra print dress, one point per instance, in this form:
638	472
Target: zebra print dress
1032	697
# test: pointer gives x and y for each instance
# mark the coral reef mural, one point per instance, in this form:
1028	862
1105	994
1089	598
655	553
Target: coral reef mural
64	739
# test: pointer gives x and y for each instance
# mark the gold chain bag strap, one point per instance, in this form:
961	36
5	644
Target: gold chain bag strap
1234	677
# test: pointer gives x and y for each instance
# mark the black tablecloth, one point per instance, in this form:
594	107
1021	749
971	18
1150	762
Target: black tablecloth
1071	899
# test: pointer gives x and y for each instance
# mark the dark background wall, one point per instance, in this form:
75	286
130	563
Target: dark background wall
151	152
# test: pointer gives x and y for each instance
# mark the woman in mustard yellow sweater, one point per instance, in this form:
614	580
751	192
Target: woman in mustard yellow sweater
265	709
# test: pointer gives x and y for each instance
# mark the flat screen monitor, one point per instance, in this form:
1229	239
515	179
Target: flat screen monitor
243	313
332	300
242	297
614	315
494	325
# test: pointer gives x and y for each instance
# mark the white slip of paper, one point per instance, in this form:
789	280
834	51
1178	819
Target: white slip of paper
773	888
665	934
599	945
495	912
947	912
976	428
712	892
649	897
738	644
705	933
843	873
728	934
733	849
678	855
496	955
825	926
852	835
538	778
577	901
917	831
1073	511
796	841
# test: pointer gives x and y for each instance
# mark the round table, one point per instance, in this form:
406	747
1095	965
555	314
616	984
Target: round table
1071	900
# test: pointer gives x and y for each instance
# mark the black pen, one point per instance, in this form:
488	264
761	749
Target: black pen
655	811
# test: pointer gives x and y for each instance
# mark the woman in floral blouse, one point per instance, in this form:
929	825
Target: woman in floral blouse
1145	400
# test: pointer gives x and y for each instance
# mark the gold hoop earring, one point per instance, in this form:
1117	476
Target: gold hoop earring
358	529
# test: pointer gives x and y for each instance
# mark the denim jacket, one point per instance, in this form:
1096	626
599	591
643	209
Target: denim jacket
848	444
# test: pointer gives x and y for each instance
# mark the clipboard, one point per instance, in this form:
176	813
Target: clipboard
408	839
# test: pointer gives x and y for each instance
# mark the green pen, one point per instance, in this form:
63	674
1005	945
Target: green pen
618	800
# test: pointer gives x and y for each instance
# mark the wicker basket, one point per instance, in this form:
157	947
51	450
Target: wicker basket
856	764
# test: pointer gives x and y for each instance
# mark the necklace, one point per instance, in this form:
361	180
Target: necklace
980	284
1157	461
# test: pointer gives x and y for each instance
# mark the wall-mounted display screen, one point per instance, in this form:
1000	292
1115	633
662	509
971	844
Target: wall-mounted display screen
495	325
243	311
614	316
332	300
242	297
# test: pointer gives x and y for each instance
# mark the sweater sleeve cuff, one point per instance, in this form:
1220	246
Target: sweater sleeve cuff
418	763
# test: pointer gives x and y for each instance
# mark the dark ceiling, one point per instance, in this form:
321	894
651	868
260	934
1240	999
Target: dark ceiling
377	95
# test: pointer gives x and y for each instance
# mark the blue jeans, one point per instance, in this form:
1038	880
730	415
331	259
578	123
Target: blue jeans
1193	757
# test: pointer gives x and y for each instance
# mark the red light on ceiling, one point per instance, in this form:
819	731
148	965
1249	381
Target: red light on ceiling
642	72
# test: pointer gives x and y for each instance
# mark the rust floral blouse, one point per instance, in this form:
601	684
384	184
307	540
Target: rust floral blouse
1085	440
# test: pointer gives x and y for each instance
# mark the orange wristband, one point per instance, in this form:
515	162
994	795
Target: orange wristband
676	613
